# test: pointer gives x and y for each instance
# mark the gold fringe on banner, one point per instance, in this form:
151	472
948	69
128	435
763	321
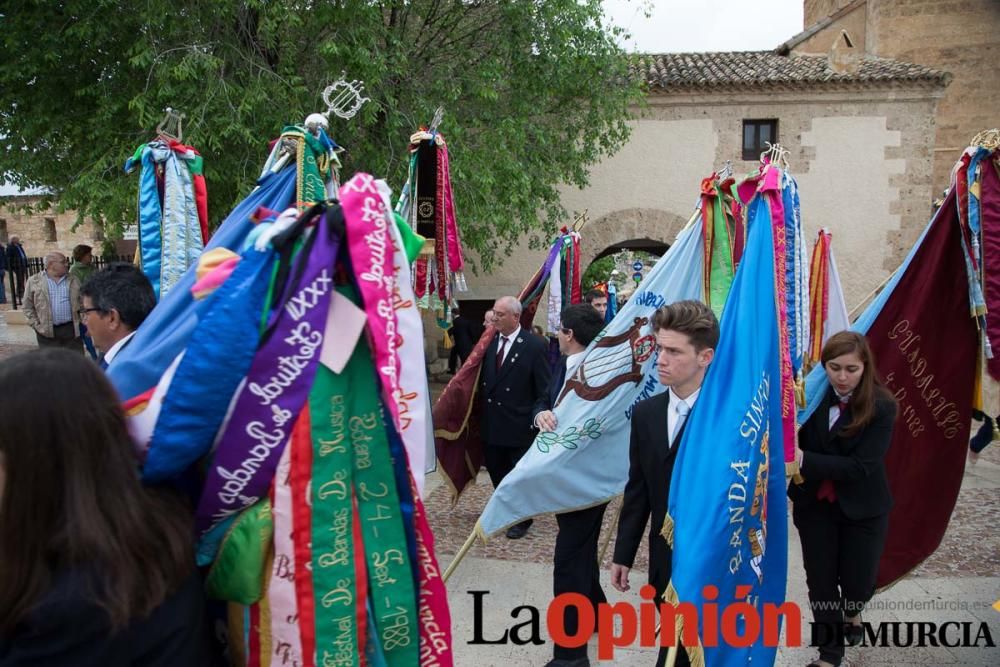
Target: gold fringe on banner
668	530
696	654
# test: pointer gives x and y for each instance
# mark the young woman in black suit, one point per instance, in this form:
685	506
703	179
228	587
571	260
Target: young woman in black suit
95	569
842	509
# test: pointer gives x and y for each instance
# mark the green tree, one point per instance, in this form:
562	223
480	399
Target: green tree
534	92
598	272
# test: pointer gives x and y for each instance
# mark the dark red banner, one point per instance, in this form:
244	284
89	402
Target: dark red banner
990	221
456	422
925	343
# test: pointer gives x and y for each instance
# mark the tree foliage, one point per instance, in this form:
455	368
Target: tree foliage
534	93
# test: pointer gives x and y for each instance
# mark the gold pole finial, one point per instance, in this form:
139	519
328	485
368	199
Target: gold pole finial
989	139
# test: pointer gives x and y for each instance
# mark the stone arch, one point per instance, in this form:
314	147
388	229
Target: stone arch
631	227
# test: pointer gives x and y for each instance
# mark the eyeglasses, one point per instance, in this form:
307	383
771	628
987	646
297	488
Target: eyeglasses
566	331
83	311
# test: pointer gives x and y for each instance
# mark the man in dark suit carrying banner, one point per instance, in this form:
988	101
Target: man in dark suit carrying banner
575	567
515	374
687	333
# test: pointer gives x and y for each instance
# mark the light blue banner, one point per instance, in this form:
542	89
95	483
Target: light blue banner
585	461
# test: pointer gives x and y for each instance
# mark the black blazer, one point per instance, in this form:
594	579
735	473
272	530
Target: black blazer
464	333
68	629
650	465
855	464
16	259
508	396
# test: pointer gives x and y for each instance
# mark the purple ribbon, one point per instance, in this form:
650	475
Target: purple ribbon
277	387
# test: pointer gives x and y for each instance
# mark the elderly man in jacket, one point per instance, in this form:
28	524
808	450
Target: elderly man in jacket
52	304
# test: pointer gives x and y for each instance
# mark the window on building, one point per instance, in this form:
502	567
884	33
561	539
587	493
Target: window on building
3	231
756	135
50	230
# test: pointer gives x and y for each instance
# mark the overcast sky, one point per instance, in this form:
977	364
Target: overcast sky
705	25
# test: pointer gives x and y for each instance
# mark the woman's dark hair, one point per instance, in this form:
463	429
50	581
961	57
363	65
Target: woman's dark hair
870	387
72	500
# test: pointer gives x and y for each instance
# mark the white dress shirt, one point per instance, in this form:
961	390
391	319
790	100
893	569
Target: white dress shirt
673	416
835	408
510	343
110	355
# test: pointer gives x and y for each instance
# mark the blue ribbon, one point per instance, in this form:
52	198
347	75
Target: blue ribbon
181	234
167	329
793	250
150	215
218	357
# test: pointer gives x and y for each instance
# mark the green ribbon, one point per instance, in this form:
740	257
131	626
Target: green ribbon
351	452
313	168
412	242
237	574
722	271
334	584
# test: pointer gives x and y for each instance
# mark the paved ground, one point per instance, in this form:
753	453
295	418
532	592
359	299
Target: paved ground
958	583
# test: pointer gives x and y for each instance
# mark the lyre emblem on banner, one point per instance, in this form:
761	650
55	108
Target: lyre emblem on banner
594	379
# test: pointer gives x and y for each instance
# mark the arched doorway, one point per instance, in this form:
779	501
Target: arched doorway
622	262
616	241
644	228
656	248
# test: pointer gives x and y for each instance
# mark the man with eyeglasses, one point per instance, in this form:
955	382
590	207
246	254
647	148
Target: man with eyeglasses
51	302
515	374
116	300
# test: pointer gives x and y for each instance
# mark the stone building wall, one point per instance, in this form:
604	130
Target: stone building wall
854	22
862	159
815	10
958	36
46	231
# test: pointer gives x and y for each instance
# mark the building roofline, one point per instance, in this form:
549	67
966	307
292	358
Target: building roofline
742	70
786	47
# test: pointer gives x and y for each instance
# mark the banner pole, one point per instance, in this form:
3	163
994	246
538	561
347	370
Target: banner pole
459	556
871	294
611	530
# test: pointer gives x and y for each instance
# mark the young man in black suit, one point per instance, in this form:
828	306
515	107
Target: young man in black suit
575	567
687	333
515	374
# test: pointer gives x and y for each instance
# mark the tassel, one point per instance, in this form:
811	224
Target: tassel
668	531
800	392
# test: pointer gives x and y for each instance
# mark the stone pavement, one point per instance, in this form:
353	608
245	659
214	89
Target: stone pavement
958	583
14	338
